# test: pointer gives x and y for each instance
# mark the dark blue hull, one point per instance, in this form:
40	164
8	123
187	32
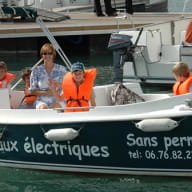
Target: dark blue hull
101	147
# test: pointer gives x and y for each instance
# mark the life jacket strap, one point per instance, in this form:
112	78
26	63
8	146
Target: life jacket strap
77	100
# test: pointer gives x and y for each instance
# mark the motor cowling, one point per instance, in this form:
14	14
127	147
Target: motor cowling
119	41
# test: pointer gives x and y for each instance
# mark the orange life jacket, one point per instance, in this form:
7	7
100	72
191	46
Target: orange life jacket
188	33
182	88
6	80
78	97
29	98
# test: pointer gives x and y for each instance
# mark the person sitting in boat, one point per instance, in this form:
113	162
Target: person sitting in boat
77	88
40	76
183	78
29	99
5	77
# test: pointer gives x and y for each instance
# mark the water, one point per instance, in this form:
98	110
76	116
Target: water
17	180
179	5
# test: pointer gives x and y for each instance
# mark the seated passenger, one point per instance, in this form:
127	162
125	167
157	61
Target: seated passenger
39	81
5	77
183	78
77	88
29	99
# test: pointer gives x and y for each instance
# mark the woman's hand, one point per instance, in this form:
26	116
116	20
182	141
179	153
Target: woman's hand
53	86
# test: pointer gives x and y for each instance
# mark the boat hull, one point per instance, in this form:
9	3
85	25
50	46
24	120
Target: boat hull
101	147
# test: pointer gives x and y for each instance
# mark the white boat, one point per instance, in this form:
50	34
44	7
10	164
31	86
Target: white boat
68	5
153	137
147	54
150	136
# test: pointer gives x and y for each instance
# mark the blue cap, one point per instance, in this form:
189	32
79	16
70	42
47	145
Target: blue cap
77	67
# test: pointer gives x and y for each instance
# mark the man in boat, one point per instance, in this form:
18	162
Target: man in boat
183	78
77	88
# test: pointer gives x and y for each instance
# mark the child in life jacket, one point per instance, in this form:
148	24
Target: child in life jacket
183	78
77	88
5	77
29	99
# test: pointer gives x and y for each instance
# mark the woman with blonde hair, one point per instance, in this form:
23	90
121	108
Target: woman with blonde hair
40	76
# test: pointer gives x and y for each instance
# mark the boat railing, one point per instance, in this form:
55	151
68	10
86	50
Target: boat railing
170	53
16	98
54	42
20	80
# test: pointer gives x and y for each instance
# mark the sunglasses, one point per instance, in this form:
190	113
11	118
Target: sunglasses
47	53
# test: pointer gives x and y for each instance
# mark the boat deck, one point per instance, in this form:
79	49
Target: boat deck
85	24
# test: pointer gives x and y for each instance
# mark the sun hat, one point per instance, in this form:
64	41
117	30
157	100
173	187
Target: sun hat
77	66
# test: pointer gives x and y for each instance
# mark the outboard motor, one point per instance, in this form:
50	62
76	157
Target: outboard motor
121	46
123	50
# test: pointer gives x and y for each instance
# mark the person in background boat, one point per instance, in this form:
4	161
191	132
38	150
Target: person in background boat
129	6
77	88
29	99
183	78
108	8
40	76
5	77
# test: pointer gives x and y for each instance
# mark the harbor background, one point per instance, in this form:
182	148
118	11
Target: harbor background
18	180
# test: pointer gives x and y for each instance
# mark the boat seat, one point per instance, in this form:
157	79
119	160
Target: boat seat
103	93
153	38
5	99
170	53
16	98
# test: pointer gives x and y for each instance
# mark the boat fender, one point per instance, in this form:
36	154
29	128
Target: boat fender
154	125
64	134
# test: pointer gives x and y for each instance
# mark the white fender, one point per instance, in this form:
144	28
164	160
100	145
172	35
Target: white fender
64	134
154	125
